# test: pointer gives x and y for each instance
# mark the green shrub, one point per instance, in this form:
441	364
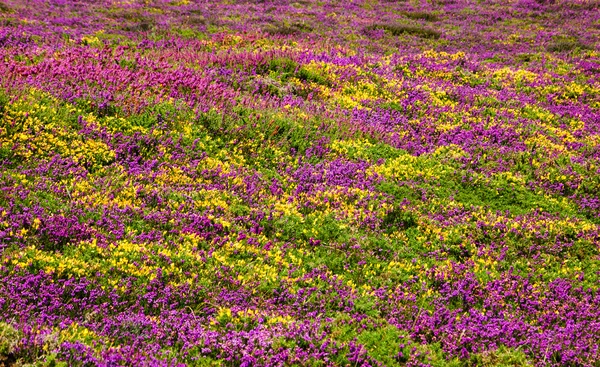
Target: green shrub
144	26
287	29
399	29
4	101
282	65
312	76
9	337
421	15
565	44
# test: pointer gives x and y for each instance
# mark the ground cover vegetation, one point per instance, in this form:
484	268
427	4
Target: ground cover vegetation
311	183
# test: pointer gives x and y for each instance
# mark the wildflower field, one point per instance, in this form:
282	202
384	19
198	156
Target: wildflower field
299	183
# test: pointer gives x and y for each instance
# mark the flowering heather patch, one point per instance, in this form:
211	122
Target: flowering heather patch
311	183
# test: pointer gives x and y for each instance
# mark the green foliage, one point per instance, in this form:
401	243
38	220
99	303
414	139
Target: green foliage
143	26
375	152
400	29
172	113
51	361
203	361
383	344
11	355
312	76
421	15
343	328
282	65
367	306
401	234
130	64
501	357
6	154
565	44
395	106
499	194
398	191
9	338
282	29
4	8
190	33
4	100
398	219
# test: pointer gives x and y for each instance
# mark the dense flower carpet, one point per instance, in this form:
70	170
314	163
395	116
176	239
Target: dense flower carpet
309	183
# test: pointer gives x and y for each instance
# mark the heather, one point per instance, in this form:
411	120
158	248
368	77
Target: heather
310	183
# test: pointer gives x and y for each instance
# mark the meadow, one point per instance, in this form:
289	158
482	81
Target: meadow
299	183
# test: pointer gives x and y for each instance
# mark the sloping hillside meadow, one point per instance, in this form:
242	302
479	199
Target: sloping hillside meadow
299	183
